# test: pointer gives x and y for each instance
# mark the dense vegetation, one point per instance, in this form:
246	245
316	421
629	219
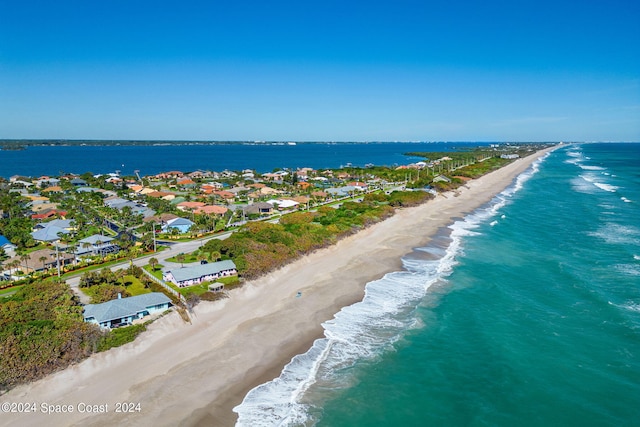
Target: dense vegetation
42	331
105	285
260	247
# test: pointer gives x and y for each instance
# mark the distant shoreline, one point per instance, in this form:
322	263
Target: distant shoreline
151	142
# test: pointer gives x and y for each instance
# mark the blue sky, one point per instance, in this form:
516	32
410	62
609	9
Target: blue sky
320	71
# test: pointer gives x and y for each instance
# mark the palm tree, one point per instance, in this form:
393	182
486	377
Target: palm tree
42	259
14	264
98	244
153	262
25	258
86	245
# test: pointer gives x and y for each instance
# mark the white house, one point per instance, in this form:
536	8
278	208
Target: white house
188	276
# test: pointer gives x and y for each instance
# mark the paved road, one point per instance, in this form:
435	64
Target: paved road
173	250
177	248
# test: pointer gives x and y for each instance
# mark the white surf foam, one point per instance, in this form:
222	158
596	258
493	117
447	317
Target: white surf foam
628	269
361	332
617	234
592	180
591	168
632	306
606	187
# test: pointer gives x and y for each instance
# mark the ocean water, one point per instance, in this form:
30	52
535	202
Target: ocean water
163	156
524	313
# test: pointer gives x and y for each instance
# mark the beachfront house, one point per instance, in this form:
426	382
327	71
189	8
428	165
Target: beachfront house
123	311
188	276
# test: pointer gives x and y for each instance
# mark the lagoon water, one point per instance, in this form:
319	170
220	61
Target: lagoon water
157	157
526	312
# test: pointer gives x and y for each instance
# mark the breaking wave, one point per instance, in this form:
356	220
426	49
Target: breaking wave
363	331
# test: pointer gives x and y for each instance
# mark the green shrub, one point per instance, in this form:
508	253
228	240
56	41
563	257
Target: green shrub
120	336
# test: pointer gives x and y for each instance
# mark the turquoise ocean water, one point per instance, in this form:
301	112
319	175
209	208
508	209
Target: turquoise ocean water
524	313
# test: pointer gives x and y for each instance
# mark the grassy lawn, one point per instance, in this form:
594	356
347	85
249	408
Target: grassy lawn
133	285
157	272
136	287
229	283
9	291
188	258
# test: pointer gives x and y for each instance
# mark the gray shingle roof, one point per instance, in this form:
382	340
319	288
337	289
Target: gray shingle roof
124	307
179	221
200	270
48	234
95	238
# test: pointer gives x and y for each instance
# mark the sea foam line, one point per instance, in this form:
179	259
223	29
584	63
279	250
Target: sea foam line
362	331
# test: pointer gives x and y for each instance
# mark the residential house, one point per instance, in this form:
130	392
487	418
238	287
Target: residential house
322	195
42	259
45	181
189	206
78	182
124	311
9	248
200	174
358	185
283	203
96	244
164	195
211	210
161	219
225	195
137	209
264	191
258	209
52	189
47	212
170	175
188	276
186	183
182	225
344	191
51	231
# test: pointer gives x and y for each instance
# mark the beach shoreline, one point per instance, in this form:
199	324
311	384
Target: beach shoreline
195	374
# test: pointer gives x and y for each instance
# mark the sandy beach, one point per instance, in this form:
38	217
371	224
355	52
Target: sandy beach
194	374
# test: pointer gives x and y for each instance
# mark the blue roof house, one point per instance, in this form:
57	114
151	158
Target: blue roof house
181	224
7	245
123	311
